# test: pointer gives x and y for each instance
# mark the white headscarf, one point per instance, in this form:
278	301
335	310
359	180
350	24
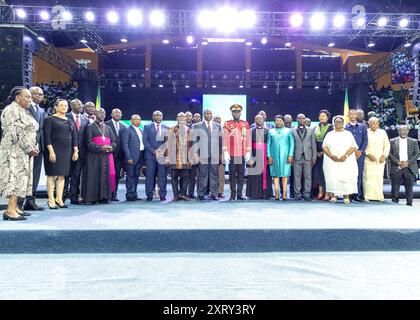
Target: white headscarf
340	117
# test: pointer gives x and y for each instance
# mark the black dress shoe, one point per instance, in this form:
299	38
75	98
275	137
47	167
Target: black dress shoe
191	197
232	199
214	198
77	202
220	195
162	199
115	200
24	214
395	200
307	198
200	198
130	199
149	199
34	207
409	204
6	218
241	198
298	198
357	199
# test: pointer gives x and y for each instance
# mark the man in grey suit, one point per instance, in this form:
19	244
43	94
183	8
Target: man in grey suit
207	138
403	167
39	115
304	158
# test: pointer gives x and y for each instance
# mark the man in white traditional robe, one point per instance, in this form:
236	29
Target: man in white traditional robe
377	152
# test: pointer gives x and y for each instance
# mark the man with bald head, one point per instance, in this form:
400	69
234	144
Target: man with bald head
133	150
39	115
90	110
117	128
80	122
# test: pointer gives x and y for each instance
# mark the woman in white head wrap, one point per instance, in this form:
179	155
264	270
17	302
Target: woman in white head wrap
340	165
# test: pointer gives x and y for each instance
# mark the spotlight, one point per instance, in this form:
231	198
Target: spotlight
204	42
407	44
21	13
403	23
187	86
265	85
227	20
41	38
248	43
317	21
288	43
339	21
331	44
264	40
214	86
371	44
133	85
165	41
112	17
160	85
316	86
241	85
83	40
360	22
206	19
157	18
67	16
290	87
190	39
89	16
296	20
247	19
124	39
134	17
382	22
44	15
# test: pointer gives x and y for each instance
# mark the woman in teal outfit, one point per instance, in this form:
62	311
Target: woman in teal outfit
280	148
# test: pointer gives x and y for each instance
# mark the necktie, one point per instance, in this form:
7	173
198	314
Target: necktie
77	122
158	129
208	126
117	127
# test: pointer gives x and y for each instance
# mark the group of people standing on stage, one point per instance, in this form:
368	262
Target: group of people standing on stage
84	156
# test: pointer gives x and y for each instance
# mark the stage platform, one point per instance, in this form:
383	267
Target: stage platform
210	227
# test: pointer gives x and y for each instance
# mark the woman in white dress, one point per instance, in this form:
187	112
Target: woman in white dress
340	165
377	151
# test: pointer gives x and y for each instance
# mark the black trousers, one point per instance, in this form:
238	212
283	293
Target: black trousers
30	201
73	179
179	180
208	178
236	176
191	180
118	164
407	177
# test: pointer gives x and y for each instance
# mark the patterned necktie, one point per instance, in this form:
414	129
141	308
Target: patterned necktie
158	129
77	122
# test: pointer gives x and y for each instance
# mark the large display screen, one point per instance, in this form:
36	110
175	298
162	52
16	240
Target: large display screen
220	104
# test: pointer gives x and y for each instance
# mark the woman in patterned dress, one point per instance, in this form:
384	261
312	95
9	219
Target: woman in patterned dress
17	149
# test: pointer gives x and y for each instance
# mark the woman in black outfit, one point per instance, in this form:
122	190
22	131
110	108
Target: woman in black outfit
61	141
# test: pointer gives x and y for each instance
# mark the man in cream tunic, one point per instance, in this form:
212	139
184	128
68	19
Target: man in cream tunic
377	151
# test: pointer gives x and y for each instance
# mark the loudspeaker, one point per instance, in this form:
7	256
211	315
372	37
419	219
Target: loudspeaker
17	45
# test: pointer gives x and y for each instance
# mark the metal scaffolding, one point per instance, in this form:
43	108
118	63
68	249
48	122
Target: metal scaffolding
186	22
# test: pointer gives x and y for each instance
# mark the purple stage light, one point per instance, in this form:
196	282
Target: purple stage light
296	20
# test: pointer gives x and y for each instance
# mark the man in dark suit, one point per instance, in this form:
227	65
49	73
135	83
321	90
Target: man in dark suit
359	131
132	147
193	172
207	136
403	167
39	115
154	136
117	127
80	122
304	158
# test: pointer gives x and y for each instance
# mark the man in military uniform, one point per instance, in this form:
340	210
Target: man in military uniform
236	150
